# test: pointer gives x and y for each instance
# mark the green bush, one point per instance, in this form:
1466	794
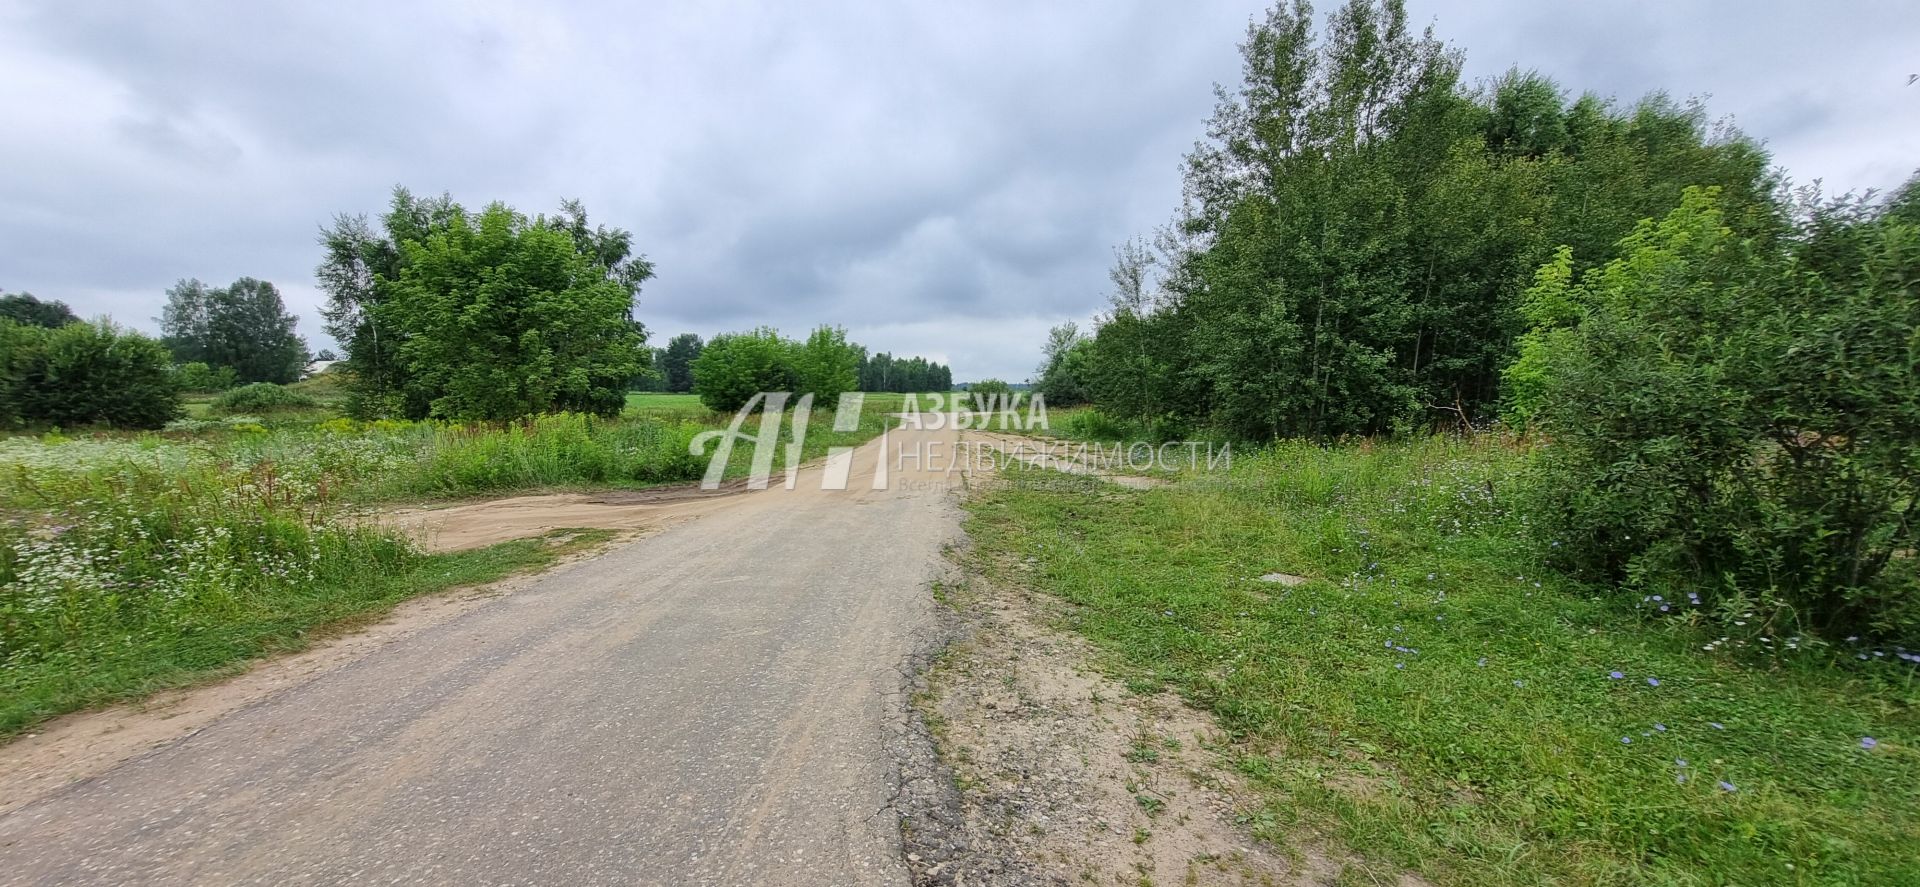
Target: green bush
85	373
261	397
734	367
200	378
1736	420
987	389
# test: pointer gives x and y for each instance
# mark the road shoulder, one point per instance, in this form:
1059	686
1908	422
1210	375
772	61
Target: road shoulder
1056	774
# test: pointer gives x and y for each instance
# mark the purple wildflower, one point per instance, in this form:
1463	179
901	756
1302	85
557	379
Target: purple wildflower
1868	742
1616	675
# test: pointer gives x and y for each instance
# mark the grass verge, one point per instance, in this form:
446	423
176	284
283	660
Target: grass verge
1435	701
168	649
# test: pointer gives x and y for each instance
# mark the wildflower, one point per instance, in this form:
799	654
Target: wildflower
1716	725
1399	665
1660	727
1653	682
1615	675
1519	683
1626	740
1483	662
1868	742
1726	786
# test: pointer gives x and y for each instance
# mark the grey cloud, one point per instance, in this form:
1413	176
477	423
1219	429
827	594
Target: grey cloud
946	179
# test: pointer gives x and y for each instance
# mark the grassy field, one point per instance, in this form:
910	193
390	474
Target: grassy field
1433	700
130	562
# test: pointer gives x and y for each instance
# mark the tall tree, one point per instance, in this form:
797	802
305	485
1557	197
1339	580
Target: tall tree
676	363
244	326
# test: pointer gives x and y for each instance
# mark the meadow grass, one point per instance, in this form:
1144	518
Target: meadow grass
135	566
1434	700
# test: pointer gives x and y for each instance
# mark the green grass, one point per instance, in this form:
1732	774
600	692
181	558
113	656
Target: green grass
1495	754
218	633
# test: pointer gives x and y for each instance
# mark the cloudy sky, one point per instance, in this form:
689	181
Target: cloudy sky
947	179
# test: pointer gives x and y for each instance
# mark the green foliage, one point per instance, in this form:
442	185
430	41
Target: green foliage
1063	371
557	450
85	374
465	315
676	363
1360	228
733	367
903	375
503	316
1432	700
199	378
27	310
826	365
260	397
244	327
987	389
1736	417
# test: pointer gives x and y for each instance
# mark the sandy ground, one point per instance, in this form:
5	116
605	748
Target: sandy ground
463	525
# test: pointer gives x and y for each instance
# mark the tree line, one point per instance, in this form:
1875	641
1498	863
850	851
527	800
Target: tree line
674	369
1358	228
1717	369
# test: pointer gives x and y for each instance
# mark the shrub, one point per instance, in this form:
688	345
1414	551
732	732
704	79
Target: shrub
825	365
1738	419
200	378
734	367
987	389
85	373
261	397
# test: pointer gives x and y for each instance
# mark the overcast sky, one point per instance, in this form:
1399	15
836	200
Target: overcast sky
947	179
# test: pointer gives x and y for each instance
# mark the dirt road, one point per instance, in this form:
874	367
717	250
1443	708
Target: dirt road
711	704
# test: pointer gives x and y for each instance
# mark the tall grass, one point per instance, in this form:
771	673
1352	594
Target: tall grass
552	451
1436	700
117	574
